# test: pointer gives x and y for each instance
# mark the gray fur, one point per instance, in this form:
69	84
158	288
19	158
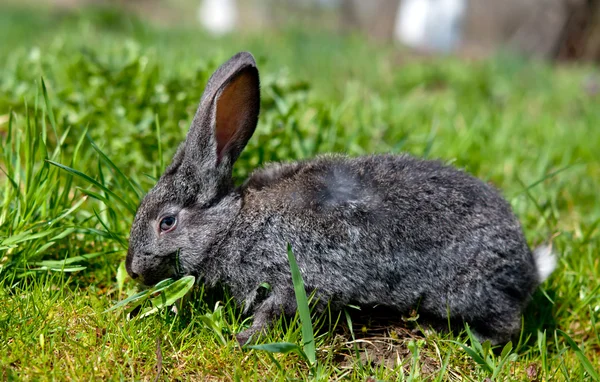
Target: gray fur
387	230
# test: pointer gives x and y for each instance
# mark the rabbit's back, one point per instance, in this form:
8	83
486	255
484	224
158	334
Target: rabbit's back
421	205
387	230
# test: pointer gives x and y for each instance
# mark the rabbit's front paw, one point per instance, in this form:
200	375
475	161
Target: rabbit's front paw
248	336
243	338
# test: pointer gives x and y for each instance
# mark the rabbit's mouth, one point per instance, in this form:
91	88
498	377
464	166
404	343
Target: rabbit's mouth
168	267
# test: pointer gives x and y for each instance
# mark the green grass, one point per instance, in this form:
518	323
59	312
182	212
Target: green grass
77	154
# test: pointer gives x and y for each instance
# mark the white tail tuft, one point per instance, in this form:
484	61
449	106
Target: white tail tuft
545	261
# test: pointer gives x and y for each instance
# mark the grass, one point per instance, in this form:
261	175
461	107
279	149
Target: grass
78	150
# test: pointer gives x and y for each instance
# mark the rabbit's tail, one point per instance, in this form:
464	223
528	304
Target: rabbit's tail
545	261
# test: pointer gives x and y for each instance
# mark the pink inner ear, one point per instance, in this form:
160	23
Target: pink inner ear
232	110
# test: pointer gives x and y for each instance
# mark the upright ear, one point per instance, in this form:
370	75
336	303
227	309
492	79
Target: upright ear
226	118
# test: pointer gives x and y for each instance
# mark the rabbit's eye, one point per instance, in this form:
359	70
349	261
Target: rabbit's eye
167	223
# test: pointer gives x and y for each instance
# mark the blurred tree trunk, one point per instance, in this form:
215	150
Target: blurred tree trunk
374	17
550	29
490	24
592	49
348	17
541	31
580	39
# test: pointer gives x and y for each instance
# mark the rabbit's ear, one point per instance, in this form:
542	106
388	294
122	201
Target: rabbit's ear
226	117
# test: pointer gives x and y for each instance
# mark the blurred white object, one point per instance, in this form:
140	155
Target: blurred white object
430	24
218	16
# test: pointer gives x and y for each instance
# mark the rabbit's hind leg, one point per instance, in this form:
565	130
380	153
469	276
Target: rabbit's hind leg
498	329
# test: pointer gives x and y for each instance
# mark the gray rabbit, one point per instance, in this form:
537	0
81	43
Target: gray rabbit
388	230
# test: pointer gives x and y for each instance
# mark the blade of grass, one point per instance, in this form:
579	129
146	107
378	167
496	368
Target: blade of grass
94	182
116	169
71	260
170	294
142	295
161	161
276	347
442	371
119	239
354	345
308	338
544	178
585	362
49	110
281	347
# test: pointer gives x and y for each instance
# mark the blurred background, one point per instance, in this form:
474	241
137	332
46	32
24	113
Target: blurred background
457	79
549	29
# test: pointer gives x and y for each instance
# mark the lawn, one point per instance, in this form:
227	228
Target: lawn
90	115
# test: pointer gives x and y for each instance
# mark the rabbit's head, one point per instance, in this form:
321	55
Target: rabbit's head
190	206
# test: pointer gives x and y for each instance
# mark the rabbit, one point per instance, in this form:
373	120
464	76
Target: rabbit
387	230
